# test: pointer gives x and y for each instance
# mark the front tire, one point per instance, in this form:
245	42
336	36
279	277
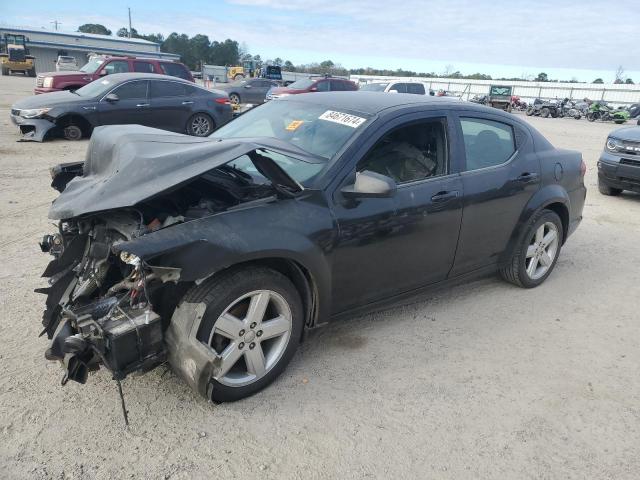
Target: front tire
537	253
545	112
200	125
253	320
72	132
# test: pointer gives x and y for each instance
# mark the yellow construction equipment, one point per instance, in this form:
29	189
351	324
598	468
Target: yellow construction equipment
14	55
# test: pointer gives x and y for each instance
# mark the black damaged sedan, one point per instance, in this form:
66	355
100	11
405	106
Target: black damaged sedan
158	101
217	254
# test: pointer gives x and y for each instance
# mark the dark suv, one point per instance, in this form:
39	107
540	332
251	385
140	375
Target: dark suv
100	66
313	84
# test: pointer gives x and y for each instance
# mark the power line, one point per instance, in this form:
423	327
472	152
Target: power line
55	24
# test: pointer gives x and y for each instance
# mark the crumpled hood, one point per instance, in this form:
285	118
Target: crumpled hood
127	164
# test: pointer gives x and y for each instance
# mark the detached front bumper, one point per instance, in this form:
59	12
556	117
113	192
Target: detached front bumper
621	172
32	129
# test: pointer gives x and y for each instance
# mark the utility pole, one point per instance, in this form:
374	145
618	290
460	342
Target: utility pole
129	8
55	24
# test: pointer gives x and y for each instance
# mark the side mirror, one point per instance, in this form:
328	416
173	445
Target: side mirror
313	89
112	98
370	185
393	91
102	73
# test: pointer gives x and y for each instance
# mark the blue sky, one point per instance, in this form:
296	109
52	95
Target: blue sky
566	39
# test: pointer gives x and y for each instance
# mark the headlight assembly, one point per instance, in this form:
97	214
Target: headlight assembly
613	144
33	112
47	82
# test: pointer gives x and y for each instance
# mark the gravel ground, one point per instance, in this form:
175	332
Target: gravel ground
483	380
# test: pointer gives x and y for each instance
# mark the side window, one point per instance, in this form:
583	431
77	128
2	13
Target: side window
323	86
411	152
399	87
144	67
116	66
416	88
487	143
174	69
167	89
132	90
337	86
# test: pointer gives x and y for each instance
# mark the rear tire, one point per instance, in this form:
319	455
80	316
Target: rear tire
538	251
200	125
239	77
32	72
607	190
5	71
545	112
234	98
227	298
529	111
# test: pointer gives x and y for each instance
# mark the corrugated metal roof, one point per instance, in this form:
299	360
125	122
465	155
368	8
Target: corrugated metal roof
58	34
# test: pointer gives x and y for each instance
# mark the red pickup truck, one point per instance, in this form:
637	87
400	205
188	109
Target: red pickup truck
100	66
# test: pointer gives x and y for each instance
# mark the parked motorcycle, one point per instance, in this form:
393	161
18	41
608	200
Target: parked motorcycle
518	104
567	108
603	112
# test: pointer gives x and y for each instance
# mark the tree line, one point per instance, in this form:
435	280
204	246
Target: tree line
199	49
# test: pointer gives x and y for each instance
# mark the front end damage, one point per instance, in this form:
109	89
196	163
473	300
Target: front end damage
121	309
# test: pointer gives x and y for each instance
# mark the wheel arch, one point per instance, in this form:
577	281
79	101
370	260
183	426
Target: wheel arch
552	197
77	119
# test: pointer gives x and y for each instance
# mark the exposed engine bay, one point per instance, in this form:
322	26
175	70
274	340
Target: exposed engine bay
100	306
111	308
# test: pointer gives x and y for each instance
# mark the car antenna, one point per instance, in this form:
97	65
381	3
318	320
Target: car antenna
124	407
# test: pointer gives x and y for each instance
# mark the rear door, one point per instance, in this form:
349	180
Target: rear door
501	173
257	90
171	104
132	105
143	66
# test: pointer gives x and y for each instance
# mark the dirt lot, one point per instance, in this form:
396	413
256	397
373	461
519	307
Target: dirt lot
483	380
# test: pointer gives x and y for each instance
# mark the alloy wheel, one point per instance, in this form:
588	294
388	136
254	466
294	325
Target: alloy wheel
251	336
200	126
542	250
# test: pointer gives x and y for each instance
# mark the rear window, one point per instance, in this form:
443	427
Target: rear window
175	70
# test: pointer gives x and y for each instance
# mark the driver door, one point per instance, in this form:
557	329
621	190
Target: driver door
132	105
387	246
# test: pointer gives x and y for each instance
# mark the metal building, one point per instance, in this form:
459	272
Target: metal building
46	45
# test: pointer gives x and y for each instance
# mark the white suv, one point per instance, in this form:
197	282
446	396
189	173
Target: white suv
396	87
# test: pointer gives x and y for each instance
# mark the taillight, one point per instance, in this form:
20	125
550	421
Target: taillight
583	168
223	101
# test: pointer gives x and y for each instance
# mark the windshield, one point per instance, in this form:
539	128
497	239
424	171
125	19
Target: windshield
301	84
316	129
96	88
374	87
92	65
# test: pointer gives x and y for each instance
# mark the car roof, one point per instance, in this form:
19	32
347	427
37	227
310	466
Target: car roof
120	77
373	102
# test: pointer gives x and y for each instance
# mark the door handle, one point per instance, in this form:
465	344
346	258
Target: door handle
187	103
89	108
142	105
527	177
442	197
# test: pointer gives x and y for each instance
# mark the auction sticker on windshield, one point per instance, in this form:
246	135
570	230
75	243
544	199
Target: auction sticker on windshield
342	118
